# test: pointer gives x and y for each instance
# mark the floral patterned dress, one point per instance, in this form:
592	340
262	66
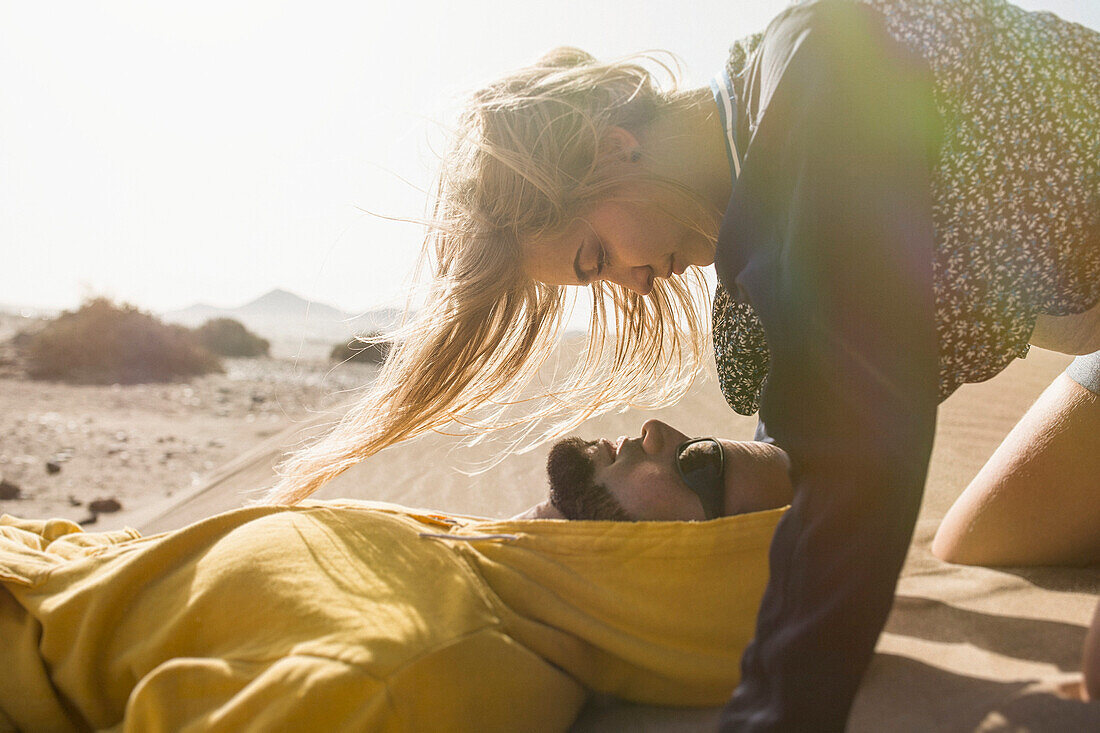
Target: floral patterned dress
1016	190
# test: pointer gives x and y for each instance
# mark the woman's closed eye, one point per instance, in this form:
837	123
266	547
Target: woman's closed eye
591	251
601	259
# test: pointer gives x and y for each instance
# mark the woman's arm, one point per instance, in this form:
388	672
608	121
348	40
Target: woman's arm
829	232
1037	500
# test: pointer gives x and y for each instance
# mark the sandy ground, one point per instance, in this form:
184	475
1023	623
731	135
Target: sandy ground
66	446
965	649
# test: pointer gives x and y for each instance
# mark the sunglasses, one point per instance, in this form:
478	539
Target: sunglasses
701	463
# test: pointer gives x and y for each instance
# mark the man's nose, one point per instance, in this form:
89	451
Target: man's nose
653	435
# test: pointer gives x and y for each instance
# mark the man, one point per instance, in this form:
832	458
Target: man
360	616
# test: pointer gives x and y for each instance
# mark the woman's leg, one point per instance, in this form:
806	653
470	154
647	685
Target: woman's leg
1037	500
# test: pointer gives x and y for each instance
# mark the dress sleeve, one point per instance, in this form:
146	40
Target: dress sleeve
740	352
829	234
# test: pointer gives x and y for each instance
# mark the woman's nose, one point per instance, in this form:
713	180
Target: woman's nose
638	278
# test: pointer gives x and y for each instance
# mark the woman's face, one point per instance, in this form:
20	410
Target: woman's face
630	239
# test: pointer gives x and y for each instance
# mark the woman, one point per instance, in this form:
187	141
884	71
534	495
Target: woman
894	195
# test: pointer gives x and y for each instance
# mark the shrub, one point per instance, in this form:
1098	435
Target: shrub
229	337
364	348
104	343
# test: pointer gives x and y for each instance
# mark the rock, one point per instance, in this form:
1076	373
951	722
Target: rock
105	506
53	467
9	491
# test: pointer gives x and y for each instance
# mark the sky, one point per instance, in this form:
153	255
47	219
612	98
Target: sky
169	153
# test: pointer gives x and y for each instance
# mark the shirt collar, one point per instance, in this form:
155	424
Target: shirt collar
726	99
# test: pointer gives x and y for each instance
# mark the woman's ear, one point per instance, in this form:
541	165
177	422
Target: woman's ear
620	143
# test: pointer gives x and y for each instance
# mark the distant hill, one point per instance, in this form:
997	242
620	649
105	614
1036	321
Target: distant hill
291	322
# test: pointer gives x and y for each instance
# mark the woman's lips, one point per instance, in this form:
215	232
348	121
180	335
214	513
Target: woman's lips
675	268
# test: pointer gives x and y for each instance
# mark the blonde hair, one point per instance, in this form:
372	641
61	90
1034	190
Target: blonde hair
525	163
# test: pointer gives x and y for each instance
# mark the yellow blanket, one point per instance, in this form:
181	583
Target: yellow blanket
363	616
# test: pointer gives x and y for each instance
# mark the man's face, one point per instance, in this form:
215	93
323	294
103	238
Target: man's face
641	474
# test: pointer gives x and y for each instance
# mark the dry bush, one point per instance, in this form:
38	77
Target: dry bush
364	349
104	343
229	337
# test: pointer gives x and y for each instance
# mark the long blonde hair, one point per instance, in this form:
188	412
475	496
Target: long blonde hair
525	162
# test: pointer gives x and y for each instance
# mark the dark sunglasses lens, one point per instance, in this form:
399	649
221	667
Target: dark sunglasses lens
700	461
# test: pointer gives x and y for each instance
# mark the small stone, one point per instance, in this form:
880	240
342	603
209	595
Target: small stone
53	467
105	506
73	501
9	491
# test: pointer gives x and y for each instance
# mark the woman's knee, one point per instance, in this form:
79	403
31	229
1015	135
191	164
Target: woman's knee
1043	477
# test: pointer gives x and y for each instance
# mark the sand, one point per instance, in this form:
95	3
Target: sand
67	446
965	649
